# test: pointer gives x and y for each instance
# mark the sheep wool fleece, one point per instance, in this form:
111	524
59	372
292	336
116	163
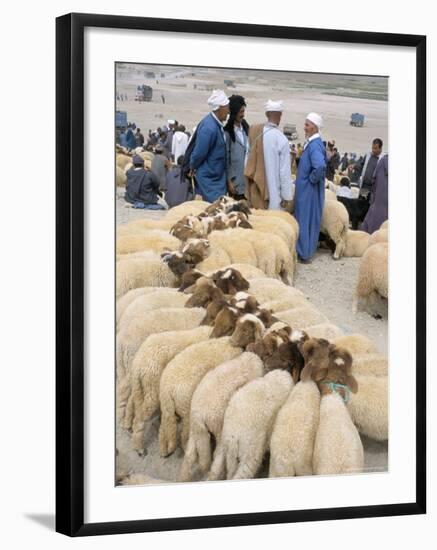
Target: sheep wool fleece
310	196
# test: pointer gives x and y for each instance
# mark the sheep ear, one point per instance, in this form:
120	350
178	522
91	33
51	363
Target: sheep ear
306	373
352	383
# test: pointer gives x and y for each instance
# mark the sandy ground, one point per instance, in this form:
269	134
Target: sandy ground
300	92
329	285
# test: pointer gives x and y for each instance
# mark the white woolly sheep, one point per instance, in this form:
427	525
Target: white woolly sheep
122	160
294	432
155	240
272	224
372	275
357	242
142	226
267	252
120	177
161	298
149	362
355	344
328	331
337	448
379	236
208	407
188	208
302	317
335	224
384	225
285	303
178	382
330	195
279	214
266	289
370	364
246	270
129	297
131	336
369	407
148	270
247	426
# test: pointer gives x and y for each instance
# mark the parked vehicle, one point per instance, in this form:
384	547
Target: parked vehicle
357	120
144	93
290	132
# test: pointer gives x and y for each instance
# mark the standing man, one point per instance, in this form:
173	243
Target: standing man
310	188
378	211
370	162
277	158
208	157
130	138
237	146
168	143
139	138
179	143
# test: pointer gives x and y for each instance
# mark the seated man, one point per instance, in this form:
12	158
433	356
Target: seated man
142	186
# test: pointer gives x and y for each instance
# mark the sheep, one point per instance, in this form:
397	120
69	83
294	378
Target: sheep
156	351
372	364
122	160
131	336
335	224
379	236
186	209
247	271
357	242
178	382
277	226
330	195
337	447
154	240
355	344
369	407
301	317
248	329
294	432
326	331
372	275
267	252
247	424
120	177
148	270
143	226
384	225
279	214
285	303
266	289
208	407
161	298
129	297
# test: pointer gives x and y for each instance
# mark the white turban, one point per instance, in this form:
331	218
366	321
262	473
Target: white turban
170	121
315	119
217	99
274	106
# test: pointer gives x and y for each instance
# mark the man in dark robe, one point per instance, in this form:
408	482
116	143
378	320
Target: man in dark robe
142	186
378	211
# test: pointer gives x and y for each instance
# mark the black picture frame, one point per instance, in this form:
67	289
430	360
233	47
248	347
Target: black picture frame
70	273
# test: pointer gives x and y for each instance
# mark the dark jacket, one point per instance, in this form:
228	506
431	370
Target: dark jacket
178	188
141	186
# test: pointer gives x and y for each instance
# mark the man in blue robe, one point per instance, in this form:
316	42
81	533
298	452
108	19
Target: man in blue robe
310	188
208	157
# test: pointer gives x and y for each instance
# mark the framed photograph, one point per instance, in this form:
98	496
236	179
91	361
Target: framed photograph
241	304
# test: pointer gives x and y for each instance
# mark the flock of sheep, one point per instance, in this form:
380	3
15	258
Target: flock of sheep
239	364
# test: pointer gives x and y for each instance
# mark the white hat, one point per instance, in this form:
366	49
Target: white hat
170	121
315	119
274	106
217	99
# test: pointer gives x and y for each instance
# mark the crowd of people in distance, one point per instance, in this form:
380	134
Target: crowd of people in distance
225	155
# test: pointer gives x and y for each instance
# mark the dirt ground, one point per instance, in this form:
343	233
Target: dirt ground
329	285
